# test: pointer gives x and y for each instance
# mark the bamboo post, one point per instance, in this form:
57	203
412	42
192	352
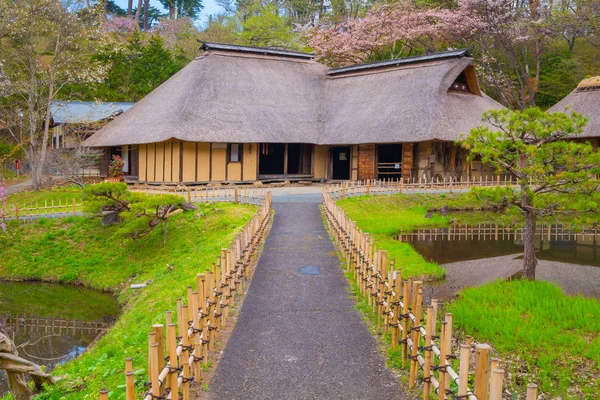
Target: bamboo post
154	371
103	394
129	380
406	299
442	364
159	339
415	336
482	370
448	342
532	391
74	211
463	372
496	384
172	352
396	320
427	366
151	341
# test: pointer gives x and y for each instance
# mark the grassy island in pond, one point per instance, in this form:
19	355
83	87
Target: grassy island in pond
80	250
540	333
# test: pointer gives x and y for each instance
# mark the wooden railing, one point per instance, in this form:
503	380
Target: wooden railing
30	323
176	354
389	186
203	194
426	345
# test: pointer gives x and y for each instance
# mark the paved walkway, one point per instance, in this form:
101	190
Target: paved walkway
18	187
299	334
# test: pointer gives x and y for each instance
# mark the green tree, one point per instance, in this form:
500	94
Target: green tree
266	29
556	175
44	47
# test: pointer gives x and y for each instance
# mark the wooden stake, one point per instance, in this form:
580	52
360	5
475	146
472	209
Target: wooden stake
159	339
155	389
103	394
173	376
427	366
463	373
416	337
405	301
496	384
482	370
532	391
442	363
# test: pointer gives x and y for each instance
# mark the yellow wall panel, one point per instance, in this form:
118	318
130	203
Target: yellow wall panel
159	162
189	161
354	167
176	165
249	161
151	162
142	166
320	162
168	167
219	158
203	162
234	171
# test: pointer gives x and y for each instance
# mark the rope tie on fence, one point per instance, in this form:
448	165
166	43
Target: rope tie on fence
426	348
157	397
172	370
196	359
416	328
187	348
196	330
186	380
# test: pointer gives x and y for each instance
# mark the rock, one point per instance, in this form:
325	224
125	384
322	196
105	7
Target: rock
429	214
257	183
445	211
188	206
305	183
111	218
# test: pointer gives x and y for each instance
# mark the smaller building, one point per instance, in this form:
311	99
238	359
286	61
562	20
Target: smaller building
75	121
585	99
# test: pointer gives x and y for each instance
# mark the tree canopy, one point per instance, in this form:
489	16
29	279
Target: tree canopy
556	175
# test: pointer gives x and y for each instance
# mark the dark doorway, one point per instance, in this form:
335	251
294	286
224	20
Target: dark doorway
340	163
299	159
389	161
271	159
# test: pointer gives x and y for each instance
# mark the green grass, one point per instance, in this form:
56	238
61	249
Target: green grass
80	250
540	333
62	195
557	336
384	217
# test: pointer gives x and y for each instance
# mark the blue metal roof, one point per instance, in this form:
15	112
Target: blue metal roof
80	112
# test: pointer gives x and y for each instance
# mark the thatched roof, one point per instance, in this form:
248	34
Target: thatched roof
585	99
246	94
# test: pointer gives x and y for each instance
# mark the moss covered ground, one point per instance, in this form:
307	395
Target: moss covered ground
540	333
79	250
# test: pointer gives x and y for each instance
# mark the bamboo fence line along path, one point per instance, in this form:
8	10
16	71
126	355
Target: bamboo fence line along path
204	194
52	325
390	186
426	345
178	348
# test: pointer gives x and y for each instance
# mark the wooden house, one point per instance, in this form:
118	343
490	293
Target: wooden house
242	114
585	99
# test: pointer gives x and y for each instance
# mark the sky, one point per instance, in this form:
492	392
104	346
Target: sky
210	7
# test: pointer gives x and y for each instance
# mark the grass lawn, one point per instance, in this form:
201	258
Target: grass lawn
29	198
536	329
80	250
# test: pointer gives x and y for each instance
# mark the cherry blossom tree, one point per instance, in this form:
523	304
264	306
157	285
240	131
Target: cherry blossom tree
392	30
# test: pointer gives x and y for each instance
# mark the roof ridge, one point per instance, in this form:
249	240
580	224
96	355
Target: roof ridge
443	55
255	50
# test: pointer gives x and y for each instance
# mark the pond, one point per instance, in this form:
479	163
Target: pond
473	255
52	323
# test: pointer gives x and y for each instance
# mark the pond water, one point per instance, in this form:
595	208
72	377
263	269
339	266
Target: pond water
473	255
52	323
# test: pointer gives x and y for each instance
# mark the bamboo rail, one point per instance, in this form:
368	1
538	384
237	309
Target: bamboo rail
178	348
52	325
389	186
204	194
426	351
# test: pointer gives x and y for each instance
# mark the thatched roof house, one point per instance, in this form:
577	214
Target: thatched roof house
281	114
585	99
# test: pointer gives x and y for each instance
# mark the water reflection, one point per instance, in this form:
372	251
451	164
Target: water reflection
50	323
460	243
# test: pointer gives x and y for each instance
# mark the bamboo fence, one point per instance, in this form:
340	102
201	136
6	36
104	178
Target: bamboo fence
204	194
29	323
500	232
426	345
389	186
178	348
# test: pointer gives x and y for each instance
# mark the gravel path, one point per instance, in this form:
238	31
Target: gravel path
573	278
299	334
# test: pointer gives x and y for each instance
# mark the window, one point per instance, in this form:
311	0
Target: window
235	152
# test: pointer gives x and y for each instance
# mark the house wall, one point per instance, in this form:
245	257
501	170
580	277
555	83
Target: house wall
191	162
366	161
320	162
